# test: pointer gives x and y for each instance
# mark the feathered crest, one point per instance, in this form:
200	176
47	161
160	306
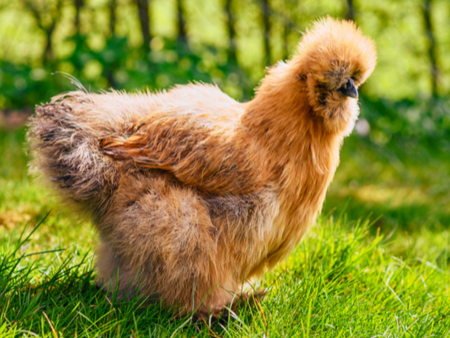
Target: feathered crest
335	41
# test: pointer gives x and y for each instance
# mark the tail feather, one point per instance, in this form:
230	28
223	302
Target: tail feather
66	153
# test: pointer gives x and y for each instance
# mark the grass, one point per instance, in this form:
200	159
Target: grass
350	278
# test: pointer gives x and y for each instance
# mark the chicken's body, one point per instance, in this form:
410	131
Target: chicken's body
192	192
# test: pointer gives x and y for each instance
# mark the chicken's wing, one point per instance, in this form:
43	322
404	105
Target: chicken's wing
213	159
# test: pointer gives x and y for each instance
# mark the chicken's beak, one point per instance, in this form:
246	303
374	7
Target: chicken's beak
349	89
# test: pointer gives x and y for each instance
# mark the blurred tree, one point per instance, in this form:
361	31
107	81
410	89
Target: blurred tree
78	5
78	39
231	31
286	32
288	26
108	71
350	11
431	48
182	36
112	17
46	17
266	29
144	19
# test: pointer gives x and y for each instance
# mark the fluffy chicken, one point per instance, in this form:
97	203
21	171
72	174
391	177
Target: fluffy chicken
193	193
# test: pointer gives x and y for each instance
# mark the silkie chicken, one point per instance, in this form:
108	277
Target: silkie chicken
193	193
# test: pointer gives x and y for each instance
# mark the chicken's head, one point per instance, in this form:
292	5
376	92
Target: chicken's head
334	59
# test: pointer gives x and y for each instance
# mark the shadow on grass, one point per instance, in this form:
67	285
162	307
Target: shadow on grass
62	299
409	217
405	188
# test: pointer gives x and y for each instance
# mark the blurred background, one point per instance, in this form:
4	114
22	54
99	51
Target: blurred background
139	44
394	167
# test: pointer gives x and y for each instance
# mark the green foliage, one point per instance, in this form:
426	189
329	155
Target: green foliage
406	123
403	39
167	63
24	86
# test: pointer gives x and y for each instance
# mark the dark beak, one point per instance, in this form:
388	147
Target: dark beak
349	89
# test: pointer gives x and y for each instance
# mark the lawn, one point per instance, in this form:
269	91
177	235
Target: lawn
375	265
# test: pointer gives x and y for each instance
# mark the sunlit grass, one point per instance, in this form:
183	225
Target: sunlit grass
339	282
348	278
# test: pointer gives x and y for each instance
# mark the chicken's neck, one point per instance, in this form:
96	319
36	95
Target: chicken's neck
292	137
302	158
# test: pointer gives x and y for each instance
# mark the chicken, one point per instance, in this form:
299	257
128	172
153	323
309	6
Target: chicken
195	195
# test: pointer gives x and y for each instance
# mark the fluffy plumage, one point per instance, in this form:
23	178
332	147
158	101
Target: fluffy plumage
192	192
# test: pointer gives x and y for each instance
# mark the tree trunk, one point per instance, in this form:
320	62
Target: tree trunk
350	11
288	25
231	31
266	28
144	19
286	32
78	5
112	30
112	17
286	28
48	52
182	36
432	47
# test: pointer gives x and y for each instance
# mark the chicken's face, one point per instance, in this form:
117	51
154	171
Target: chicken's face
333	94
335	59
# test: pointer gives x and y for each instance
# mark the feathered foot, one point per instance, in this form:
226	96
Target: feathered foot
252	298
